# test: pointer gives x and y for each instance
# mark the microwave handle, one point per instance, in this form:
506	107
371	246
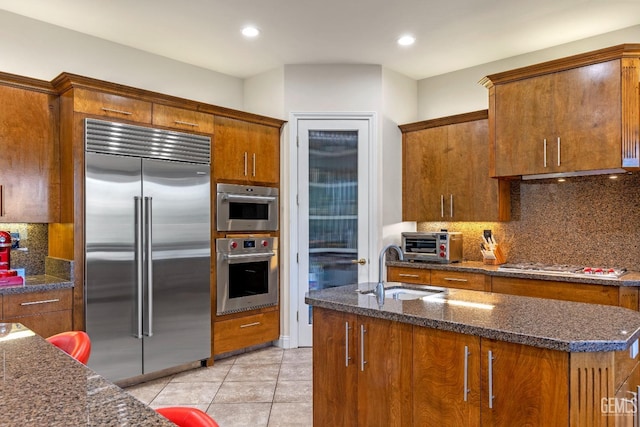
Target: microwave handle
263	255
249	198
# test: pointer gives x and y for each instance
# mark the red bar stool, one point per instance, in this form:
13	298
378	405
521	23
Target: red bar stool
75	343
183	416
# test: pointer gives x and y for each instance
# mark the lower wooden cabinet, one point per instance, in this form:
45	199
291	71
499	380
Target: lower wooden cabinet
46	313
361	370
242	332
418	276
461	280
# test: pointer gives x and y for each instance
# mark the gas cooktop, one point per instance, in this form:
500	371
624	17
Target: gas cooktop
564	270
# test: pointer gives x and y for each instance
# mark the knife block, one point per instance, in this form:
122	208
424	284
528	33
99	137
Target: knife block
494	257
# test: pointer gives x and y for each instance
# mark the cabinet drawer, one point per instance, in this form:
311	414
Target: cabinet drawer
114	106
419	276
180	118
26	304
234	334
461	280
46	324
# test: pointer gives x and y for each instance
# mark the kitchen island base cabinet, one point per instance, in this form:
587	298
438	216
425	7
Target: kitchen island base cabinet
468	381
361	371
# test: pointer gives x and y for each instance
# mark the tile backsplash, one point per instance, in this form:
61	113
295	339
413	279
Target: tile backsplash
583	221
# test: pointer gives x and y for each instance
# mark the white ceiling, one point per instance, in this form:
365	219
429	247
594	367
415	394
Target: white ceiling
451	34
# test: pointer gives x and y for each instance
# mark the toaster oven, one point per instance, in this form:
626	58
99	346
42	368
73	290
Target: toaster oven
442	246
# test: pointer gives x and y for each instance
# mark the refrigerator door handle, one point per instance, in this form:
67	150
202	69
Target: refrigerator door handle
149	262
139	267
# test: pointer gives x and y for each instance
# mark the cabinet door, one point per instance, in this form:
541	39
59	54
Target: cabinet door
424	164
335	375
246	152
523	385
587	118
30	163
246	331
467	145
183	119
523	114
111	106
444	365
384	373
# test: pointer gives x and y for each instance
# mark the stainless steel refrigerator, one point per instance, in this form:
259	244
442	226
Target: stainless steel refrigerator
148	248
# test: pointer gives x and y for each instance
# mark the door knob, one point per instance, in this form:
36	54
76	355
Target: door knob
361	261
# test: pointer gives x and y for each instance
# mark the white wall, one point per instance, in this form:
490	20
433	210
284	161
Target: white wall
459	92
264	94
35	49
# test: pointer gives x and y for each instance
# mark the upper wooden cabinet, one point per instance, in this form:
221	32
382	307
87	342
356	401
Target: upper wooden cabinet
111	106
30	164
182	119
246	152
445	171
571	115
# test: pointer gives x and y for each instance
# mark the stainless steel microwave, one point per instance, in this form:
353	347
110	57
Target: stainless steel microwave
246	208
443	246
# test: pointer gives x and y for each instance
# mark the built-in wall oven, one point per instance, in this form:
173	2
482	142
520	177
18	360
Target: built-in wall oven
247	273
246	208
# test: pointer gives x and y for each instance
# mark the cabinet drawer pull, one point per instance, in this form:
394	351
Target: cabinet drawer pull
44	301
180	122
248	325
1	200
415	276
544	152
558	151
112	110
455	279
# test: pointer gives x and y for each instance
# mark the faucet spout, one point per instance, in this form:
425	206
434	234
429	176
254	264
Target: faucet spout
381	260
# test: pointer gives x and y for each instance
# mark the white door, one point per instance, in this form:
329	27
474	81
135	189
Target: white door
333	209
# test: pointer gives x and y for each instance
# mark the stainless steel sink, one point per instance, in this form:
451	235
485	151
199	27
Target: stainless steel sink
405	294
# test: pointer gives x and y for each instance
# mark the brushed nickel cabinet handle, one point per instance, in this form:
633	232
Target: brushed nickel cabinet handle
466	372
451	205
362	361
455	279
248	325
245	163
491	396
346	344
1	200
442	206
544	151
112	110
180	122
254	164
415	276
44	301
558	151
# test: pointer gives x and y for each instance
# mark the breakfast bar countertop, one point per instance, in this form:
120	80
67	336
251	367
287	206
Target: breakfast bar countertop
42	386
38	283
545	323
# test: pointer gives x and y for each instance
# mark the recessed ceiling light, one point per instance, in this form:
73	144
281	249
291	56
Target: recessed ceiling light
250	31
406	40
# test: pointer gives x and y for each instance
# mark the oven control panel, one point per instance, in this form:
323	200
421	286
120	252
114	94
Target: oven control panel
246	245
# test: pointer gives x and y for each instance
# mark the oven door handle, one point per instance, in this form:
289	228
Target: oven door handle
240	256
241	197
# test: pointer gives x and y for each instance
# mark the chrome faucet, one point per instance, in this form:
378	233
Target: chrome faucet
383	253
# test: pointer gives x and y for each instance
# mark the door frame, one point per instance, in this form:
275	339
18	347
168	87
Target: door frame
375	178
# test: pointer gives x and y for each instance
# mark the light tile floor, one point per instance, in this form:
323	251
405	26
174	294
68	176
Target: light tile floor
269	387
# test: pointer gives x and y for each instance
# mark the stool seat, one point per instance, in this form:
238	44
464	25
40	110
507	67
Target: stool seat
183	416
75	343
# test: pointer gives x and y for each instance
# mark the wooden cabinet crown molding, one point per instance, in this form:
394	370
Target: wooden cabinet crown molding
28	83
66	81
580	60
444	121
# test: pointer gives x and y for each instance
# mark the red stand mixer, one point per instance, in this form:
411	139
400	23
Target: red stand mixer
8	277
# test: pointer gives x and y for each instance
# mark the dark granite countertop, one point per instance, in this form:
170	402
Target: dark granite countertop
42	386
38	283
631	278
558	325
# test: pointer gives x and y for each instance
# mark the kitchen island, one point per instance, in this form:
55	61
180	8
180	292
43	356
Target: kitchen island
462	357
42	386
